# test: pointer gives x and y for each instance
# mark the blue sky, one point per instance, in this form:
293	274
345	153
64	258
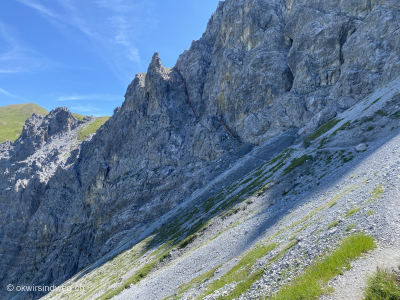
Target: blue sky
82	54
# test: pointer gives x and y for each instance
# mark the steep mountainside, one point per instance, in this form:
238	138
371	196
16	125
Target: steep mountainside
13	117
265	75
261	231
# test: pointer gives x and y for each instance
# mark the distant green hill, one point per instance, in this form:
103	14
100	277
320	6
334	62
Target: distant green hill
78	116
13	117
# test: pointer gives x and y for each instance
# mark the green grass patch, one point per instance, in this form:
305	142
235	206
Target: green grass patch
297	162
352	212
194	283
139	275
263	189
134	279
79	116
339	196
366	120
332	204
350	227
262	174
285	249
92	128
241	272
164	256
320	131
13	117
395	115
382	285
244	285
303	227
333	224
372	104
370	212
188	240
343	127
171	232
210	202
376	193
312	283
321	144
310	214
346	159
381	113
230	213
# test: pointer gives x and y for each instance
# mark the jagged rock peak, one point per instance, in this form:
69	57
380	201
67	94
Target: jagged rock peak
38	129
156	61
60	120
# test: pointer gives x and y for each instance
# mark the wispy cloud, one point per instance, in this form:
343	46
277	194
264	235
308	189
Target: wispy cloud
101	97
10	95
85	108
17	58
40	8
113	27
119	6
12	71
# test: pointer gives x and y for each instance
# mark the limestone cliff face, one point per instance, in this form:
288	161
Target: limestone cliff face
262	67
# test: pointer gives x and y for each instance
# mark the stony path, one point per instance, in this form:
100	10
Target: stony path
351	285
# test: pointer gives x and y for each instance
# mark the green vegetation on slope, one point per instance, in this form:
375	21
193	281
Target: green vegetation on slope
78	116
297	162
352	212
92	128
383	284
312	283
194	283
138	276
241	273
320	131
333	224
372	104
376	194
13	117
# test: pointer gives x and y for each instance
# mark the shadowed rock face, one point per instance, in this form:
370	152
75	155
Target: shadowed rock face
262	67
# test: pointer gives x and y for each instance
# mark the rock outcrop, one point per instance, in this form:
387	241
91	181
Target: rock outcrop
261	68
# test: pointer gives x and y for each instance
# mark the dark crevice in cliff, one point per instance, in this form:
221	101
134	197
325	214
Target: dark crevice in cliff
290	77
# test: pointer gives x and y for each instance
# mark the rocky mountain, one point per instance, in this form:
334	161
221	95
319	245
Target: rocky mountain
266	74
13	117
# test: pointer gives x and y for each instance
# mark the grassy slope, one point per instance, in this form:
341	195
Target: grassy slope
92	128
13	117
78	116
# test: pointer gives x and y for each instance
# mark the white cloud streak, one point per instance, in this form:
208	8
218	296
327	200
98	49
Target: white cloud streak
85	108
40	8
8	94
17	58
102	97
113	26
